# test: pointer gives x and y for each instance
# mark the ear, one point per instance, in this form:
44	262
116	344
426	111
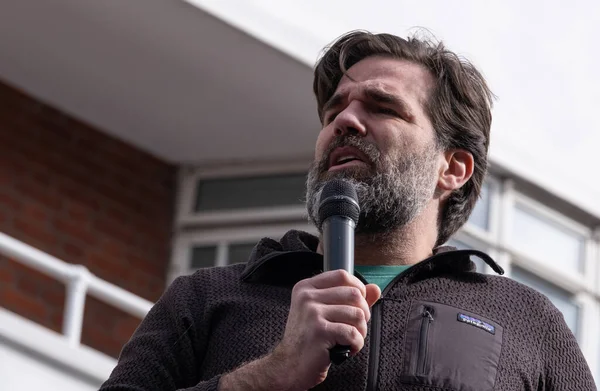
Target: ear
456	170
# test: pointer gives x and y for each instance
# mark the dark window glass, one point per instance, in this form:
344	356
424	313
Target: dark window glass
250	192
203	256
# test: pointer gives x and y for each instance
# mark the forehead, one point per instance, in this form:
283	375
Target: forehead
408	80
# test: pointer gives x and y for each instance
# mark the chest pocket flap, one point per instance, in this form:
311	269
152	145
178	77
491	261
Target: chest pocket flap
450	348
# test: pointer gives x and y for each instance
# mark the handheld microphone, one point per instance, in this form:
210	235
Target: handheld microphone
338	216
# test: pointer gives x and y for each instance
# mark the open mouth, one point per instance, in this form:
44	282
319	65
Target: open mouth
346	157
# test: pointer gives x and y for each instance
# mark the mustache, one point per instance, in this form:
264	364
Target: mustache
368	148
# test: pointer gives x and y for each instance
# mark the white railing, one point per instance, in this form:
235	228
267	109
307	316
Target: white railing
79	283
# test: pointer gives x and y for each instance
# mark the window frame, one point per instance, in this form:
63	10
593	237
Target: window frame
593	265
560	220
490	235
189	178
222	237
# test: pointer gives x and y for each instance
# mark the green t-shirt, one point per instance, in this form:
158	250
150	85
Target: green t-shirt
380	275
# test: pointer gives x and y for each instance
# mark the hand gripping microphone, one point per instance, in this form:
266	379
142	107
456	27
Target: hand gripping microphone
338	216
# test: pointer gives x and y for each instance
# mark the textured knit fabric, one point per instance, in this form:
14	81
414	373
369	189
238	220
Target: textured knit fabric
506	337
380	275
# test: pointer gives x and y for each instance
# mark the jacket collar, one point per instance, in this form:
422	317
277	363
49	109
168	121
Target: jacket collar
294	258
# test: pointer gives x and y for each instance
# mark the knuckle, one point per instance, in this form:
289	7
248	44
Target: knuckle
298	287
340	275
345	277
314	312
355	295
354	335
321	326
304	295
358	314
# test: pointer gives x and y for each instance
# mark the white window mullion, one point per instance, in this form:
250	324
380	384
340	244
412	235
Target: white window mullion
593	263
184	202
590	263
502	223
589	337
180	259
496	208
221	254
506	204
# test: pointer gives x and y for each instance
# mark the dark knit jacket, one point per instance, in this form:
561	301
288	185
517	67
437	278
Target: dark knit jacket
438	326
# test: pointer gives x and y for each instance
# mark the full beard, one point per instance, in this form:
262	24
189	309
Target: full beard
391	192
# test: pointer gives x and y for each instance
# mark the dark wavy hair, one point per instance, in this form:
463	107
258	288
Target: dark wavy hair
459	106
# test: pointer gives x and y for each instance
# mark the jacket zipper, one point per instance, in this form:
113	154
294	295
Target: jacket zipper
426	320
375	341
374	348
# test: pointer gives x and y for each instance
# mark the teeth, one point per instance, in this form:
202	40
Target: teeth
347	157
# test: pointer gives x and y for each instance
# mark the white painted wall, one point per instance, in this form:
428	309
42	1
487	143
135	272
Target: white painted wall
35	358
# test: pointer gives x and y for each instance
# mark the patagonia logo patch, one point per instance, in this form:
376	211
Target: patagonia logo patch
480	324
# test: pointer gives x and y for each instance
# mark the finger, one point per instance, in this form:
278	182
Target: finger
352	316
373	294
345	335
336	278
342	295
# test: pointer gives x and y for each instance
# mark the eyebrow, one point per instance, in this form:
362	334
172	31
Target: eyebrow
387	98
332	102
375	95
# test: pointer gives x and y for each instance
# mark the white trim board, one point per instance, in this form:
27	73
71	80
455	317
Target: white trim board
53	347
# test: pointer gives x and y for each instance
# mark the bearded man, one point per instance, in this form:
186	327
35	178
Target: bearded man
407	123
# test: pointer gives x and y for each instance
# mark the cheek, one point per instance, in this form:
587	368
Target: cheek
390	144
323	141
404	143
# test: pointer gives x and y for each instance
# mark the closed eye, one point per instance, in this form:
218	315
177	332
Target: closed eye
388	111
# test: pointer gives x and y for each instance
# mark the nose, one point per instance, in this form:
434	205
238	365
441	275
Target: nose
348	122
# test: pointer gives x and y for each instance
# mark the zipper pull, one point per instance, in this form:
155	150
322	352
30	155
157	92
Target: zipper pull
427	314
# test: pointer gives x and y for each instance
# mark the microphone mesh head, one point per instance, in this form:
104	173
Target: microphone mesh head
338	198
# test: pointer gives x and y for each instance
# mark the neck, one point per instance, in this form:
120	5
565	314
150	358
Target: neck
405	246
400	247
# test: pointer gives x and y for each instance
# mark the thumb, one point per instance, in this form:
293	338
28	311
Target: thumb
373	293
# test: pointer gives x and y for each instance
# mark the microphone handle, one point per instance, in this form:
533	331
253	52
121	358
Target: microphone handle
338	253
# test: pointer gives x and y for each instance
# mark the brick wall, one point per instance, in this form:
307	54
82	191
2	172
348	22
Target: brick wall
87	198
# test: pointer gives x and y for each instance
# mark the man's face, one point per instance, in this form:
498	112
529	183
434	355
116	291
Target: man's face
377	135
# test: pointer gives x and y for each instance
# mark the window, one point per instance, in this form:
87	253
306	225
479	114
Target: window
226	245
562	299
480	217
225	253
203	256
248	192
547	240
